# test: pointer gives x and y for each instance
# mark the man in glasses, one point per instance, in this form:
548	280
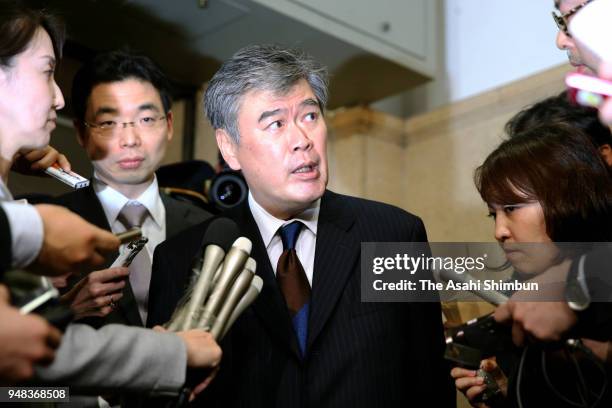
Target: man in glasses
124	122
566	9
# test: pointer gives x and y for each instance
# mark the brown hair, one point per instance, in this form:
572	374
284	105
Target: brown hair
558	166
18	24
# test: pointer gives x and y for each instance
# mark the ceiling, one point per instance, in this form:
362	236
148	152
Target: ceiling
190	41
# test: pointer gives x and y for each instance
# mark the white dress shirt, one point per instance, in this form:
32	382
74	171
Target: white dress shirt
26	228
154	226
305	246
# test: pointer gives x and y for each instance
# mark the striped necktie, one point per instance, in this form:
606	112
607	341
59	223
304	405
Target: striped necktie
293	283
133	215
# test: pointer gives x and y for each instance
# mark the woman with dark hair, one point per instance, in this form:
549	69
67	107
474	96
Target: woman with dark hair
545	185
30	42
556	168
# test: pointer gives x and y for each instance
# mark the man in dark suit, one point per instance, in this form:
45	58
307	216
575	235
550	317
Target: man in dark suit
308	340
124	122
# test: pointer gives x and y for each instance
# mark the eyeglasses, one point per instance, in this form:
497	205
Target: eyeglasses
562	19
110	127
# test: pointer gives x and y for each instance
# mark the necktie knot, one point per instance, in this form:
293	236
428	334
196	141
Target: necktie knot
133	215
289	234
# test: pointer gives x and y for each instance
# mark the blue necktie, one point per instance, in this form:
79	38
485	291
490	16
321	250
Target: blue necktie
293	283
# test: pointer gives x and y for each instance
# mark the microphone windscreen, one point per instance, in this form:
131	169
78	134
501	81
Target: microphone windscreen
222	231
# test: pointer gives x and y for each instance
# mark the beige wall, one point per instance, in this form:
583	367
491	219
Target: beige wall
426	163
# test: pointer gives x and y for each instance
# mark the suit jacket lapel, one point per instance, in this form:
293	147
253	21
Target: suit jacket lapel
175	216
270	306
335	255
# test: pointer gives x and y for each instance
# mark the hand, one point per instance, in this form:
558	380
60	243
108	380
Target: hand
466	381
32	162
472	385
601	349
605	111
97	293
545	321
202	352
27	340
70	244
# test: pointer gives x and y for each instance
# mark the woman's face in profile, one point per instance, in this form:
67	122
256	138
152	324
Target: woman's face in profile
29	96
521	231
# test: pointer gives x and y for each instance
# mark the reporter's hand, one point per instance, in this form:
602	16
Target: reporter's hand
26	340
34	162
97	293
471	385
202	352
545	321
70	243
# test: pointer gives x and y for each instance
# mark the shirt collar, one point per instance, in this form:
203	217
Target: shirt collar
113	201
269	224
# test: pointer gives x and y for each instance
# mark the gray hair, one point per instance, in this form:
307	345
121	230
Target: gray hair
263	68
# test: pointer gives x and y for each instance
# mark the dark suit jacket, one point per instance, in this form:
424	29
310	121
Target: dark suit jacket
358	354
179	216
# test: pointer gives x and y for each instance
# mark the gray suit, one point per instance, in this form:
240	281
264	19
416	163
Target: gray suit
118	357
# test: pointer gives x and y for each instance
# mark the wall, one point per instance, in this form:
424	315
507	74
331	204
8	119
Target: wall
425	164
482	45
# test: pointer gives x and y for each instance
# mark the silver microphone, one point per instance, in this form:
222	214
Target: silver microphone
232	266
238	289
248	298
213	256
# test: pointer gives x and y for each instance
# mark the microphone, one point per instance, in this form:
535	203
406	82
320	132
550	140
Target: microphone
491	296
238	289
232	266
248	298
218	237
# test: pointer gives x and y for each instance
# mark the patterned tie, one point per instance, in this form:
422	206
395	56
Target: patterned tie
133	214
293	283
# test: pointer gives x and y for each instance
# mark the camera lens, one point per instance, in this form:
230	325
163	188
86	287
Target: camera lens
228	189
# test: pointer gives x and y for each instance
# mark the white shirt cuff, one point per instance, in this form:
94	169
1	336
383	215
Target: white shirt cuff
26	232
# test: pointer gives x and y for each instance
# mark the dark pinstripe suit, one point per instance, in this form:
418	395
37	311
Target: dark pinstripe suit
359	354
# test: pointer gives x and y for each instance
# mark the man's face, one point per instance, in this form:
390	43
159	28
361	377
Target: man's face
576	54
282	149
126	158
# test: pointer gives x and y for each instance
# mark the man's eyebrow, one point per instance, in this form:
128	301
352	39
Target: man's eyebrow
105	110
309	102
557	4
148	106
267	114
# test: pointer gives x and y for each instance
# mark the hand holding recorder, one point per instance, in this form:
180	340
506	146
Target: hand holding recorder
27	340
70	244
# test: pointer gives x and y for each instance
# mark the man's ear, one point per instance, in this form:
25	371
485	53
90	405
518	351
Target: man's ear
80	132
169	124
606	153
228	148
